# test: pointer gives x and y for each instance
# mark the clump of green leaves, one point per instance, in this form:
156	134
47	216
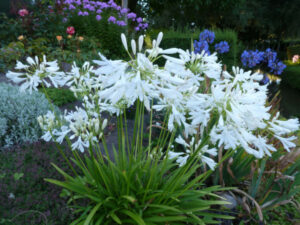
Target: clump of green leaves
139	190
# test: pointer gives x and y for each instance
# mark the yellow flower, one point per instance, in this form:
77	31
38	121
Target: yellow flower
80	38
59	38
69	36
21	37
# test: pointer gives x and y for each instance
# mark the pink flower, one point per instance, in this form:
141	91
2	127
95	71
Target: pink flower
295	58
70	30
23	12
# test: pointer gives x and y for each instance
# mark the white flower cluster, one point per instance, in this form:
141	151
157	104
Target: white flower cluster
35	73
200	98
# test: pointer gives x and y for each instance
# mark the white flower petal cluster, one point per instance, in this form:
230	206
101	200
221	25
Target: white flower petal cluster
192	89
193	147
36	73
81	128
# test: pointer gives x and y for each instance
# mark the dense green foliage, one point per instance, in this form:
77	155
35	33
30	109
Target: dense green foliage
291	76
293	50
136	189
60	97
184	40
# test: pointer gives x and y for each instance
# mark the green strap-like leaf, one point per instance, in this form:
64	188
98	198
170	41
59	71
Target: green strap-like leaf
134	216
92	213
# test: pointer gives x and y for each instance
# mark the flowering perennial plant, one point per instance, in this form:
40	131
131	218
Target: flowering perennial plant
266	60
96	8
207	37
213	109
37	73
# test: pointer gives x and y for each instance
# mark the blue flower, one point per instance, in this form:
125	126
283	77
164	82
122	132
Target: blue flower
199	46
222	47
207	36
252	58
269	55
265	80
277	67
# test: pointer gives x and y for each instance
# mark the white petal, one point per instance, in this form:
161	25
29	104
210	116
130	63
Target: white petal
124	41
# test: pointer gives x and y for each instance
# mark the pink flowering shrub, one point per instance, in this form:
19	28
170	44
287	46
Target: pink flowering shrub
23	12
70	30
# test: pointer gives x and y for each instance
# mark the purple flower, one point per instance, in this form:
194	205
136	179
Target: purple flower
98	17
103	5
99	11
145	26
71	7
131	16
121	23
137	28
112	19
80	13
222	47
200	46
139	19
85	14
65	20
207	36
78	2
114	5
124	11
92	8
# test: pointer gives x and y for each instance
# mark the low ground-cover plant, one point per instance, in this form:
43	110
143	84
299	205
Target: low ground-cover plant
18	112
208	112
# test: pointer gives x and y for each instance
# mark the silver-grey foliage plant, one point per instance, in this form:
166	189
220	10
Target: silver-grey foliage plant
18	113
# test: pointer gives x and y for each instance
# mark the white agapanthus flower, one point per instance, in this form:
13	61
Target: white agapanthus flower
199	97
191	148
36	73
240	102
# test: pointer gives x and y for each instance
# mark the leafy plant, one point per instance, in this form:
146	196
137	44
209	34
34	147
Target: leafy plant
129	187
18	113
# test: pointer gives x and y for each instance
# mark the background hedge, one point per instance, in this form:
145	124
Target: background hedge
184	40
293	50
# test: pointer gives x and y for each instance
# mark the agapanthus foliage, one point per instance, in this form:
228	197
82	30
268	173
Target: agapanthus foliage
97	8
266	61
207	37
212	108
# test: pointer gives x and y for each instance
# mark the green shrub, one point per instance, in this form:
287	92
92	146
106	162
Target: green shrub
293	50
9	55
60	97
18	113
184	40
291	76
107	34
